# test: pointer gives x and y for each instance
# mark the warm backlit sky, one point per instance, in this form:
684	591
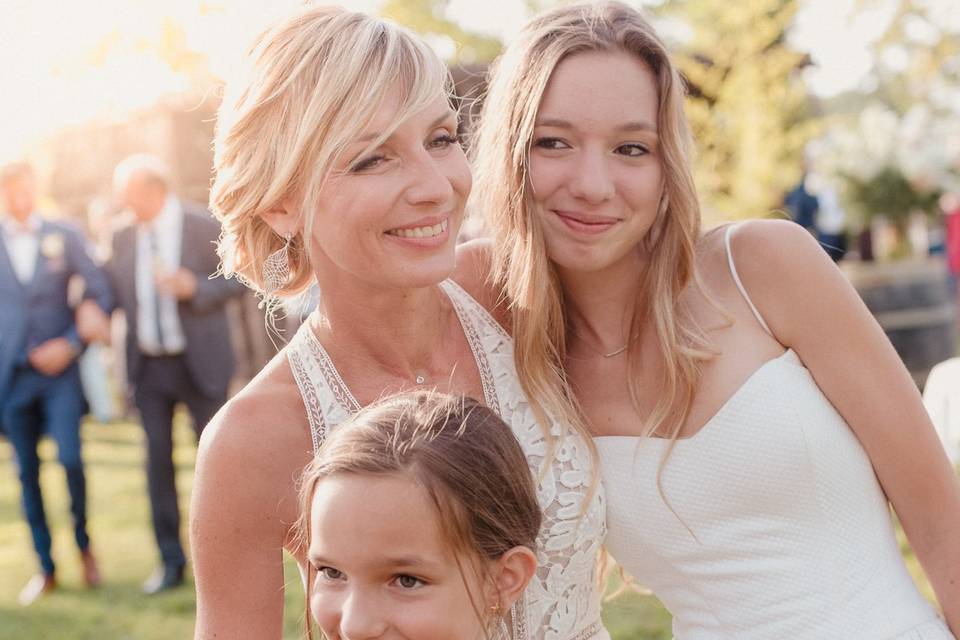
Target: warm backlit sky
68	62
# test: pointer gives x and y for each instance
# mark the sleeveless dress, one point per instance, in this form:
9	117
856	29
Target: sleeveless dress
563	599
783	533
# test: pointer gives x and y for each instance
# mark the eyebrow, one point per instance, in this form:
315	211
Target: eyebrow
635	125
393	562
370	137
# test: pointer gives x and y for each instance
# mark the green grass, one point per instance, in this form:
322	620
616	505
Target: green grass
123	541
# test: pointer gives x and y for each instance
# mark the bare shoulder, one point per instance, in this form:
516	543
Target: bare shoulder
255	445
768	250
790	278
474	273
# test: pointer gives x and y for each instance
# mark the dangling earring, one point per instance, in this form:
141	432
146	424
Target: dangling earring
500	629
276	268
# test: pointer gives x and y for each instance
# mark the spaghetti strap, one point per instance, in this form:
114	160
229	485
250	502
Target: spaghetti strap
738	282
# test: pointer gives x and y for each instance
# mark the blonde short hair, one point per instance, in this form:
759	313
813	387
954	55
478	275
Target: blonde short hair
314	83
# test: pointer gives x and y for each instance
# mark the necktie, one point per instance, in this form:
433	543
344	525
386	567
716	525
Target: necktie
156	263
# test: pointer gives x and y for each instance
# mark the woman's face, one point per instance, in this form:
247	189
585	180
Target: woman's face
390	216
382	568
595	161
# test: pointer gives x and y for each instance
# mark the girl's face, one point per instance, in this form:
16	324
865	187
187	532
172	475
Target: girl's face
382	568
390	216
595	161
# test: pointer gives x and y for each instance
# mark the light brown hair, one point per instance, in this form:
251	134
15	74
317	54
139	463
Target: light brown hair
502	192
463	455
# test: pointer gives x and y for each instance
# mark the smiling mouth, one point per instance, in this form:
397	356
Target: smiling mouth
429	231
585	224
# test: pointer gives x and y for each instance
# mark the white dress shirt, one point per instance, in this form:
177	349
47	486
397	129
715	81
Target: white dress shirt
168	227
23	244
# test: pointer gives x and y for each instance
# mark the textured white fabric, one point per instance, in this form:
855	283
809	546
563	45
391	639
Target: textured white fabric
562	601
774	525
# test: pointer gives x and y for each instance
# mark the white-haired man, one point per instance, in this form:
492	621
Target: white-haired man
178	344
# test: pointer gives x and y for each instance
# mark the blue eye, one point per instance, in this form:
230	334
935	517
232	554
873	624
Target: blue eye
329	573
550	144
633	150
405	581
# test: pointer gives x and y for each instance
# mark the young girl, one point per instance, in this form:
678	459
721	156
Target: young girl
420	518
753	423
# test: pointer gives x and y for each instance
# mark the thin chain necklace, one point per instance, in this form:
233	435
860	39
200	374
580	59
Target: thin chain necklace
613	353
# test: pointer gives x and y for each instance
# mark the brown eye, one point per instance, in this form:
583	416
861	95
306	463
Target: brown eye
632	150
550	144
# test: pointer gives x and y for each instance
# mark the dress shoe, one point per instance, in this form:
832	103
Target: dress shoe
91	573
38	586
165	577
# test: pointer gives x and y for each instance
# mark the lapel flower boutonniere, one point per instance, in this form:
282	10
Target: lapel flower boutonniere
52	246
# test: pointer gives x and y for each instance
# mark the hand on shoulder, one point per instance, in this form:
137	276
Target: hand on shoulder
474	273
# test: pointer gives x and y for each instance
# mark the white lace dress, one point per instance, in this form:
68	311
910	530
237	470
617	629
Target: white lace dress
563	600
775	526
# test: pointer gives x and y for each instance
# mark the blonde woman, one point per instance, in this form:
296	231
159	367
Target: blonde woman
753	423
337	162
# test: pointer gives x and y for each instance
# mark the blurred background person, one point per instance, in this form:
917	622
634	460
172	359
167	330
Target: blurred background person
40	389
178	345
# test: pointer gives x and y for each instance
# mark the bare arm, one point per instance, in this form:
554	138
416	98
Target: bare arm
244	502
811	307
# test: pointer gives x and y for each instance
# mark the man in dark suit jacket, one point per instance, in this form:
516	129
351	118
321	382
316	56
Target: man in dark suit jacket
40	389
178	345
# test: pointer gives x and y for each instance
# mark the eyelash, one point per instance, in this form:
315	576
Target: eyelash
444	141
549	144
325	572
420	583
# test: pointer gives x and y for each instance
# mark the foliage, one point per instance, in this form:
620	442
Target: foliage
427	18
889	193
747	106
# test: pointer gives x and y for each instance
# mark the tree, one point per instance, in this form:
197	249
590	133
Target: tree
748	106
427	18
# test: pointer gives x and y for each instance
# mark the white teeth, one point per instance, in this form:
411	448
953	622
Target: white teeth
420	232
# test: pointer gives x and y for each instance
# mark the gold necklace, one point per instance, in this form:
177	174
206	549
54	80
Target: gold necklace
613	353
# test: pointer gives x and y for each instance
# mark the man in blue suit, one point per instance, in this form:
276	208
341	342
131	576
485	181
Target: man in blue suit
40	388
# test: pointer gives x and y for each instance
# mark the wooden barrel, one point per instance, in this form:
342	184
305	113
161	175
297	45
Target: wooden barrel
914	302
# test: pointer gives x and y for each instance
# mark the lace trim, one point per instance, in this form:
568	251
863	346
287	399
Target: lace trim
486	316
563	595
455	293
339	388
318	426
589	632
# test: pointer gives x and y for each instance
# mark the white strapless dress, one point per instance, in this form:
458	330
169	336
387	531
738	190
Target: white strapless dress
779	529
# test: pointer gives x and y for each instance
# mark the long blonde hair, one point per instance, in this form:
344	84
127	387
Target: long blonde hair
502	192
315	82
